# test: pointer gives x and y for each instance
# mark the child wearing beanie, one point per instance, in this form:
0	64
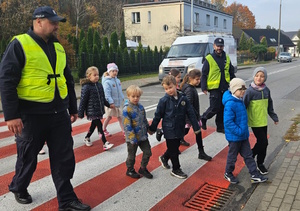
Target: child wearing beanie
259	105
237	133
114	96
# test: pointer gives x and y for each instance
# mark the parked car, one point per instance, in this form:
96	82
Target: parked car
284	57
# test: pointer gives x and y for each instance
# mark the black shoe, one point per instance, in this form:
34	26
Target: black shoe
164	162
23	198
262	169
203	124
145	173
184	143
159	134
220	130
179	174
132	174
75	205
204	156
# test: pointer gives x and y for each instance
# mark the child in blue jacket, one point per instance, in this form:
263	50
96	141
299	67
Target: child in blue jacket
172	109
237	133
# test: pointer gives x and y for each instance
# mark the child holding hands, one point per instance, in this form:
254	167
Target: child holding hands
136	127
172	109
259	105
237	132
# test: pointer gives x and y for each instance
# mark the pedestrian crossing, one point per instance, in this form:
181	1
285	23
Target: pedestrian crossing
100	181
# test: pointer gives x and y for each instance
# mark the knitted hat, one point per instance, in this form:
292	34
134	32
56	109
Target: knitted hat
112	66
236	84
260	69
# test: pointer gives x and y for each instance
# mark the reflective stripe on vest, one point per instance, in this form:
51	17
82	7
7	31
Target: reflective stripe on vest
38	80
214	75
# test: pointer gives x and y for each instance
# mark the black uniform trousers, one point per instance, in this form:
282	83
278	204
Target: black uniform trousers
56	130
260	147
216	107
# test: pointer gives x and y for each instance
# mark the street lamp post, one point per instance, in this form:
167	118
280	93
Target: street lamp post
278	48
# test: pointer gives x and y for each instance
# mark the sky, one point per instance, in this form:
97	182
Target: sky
266	12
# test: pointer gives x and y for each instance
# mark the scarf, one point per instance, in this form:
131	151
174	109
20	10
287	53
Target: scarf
256	87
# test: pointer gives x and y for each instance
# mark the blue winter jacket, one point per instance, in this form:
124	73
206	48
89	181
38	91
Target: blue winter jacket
235	118
173	112
113	90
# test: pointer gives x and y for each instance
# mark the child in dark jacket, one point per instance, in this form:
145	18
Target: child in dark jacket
188	86
172	109
136	128
259	105
237	133
92	104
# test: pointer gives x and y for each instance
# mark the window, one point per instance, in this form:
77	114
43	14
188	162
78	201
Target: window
196	18
149	16
135	17
137	39
216	21
207	20
225	24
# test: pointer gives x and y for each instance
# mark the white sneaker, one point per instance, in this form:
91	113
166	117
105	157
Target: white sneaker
88	142
107	146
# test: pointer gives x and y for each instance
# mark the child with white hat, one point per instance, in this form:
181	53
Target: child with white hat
237	132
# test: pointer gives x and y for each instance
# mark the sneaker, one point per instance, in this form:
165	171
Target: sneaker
145	173
75	205
179	174
131	173
88	142
106	133
258	178
262	169
203	156
159	134
204	124
107	146
232	179
184	143
164	162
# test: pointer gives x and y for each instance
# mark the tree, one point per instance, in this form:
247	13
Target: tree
126	61
89	43
97	39
123	44
264	42
79	12
114	41
242	16
103	60
105	43
220	4
243	42
259	50
250	43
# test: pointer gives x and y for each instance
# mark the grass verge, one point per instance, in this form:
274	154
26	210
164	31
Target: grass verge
292	134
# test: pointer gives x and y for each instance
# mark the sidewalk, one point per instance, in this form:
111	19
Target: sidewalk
282	191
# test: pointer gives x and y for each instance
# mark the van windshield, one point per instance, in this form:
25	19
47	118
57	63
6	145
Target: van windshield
187	50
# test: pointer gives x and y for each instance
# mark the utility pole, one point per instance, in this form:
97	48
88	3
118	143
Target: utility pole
192	16
278	48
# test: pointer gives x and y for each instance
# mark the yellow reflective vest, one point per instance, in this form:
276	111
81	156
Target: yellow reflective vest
38	80
214	75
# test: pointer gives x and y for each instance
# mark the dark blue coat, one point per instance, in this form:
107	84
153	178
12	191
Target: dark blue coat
92	101
173	112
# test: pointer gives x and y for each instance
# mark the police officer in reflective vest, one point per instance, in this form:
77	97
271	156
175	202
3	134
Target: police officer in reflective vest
39	104
217	71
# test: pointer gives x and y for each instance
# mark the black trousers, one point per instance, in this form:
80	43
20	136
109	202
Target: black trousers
260	148
216	107
56	130
199	139
172	152
96	123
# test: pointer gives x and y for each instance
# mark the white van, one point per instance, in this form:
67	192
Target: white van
187	53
